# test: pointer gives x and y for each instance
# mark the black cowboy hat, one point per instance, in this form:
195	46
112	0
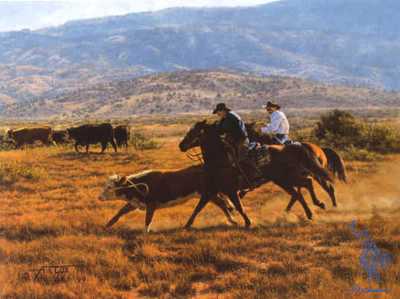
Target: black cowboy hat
272	105
221	107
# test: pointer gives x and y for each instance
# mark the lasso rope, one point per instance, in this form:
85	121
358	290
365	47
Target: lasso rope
136	186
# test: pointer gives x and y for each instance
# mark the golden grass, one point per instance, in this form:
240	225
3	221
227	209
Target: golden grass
54	217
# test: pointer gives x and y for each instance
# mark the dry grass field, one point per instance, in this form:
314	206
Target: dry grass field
50	215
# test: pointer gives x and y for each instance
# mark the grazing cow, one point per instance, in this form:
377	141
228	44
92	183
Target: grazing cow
24	136
122	135
60	136
154	189
93	134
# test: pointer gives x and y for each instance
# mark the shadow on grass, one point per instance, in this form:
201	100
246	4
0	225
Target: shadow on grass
127	233
94	156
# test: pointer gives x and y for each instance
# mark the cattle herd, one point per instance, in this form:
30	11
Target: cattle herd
84	135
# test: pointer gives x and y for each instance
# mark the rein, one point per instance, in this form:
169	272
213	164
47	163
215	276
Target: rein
195	156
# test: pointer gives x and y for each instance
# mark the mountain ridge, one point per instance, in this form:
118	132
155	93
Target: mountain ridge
339	42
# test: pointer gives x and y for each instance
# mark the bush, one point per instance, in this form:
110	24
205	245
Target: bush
141	142
359	154
381	139
341	130
10	172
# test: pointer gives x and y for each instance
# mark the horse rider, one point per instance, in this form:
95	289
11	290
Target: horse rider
233	127
279	125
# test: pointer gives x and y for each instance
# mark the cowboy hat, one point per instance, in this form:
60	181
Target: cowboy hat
272	105
221	107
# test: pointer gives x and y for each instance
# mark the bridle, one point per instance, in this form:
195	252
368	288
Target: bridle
194	155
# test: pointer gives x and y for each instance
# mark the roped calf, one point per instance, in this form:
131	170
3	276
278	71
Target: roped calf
156	189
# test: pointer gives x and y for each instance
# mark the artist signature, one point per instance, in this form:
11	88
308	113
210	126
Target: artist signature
54	273
372	259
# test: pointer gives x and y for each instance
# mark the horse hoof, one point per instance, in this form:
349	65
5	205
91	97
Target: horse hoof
322	205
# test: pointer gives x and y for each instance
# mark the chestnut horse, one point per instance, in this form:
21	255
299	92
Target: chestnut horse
328	158
286	168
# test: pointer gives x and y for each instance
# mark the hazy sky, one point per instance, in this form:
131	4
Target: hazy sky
34	14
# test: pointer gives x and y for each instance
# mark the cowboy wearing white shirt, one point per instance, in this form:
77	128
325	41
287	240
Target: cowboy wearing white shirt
279	125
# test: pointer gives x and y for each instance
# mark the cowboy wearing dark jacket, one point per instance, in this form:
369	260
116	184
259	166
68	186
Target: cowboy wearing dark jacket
234	128
231	124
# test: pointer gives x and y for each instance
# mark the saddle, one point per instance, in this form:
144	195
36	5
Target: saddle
259	153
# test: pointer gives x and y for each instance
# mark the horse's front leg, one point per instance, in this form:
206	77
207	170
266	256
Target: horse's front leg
238	205
308	183
204	199
295	195
124	210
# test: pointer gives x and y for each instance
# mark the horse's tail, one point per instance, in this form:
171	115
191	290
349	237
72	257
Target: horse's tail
335	164
312	164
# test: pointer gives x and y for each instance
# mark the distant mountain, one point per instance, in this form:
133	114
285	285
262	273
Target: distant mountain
197	91
336	41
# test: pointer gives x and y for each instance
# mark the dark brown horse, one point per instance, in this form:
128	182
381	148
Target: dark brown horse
328	158
286	169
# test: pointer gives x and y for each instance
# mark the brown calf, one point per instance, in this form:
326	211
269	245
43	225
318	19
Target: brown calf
155	189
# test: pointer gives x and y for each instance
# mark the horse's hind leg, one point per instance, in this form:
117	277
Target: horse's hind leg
220	203
238	205
308	183
330	189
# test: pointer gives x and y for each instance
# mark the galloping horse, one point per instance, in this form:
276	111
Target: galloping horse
286	168
328	158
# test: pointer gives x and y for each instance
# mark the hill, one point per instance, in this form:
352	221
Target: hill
198	91
343	42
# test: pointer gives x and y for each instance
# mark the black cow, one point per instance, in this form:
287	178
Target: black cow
122	135
93	134
60	136
24	136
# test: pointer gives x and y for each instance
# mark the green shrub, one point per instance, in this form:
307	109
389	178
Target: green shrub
341	130
142	142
